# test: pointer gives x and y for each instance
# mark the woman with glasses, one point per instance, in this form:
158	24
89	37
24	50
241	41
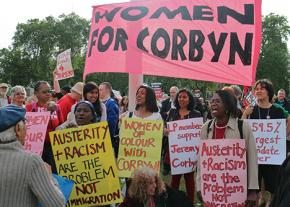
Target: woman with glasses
226	125
42	91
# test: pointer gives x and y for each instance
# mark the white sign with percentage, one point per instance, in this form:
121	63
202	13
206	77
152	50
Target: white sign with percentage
270	137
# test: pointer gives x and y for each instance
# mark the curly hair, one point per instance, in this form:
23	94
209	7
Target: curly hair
150	102
140	180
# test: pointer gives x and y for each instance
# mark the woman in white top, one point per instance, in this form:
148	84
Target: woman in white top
146	105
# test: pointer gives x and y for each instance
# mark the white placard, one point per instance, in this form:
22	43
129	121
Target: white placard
270	137
184	138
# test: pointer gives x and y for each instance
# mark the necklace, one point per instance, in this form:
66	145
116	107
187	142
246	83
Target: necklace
216	128
222	127
268	116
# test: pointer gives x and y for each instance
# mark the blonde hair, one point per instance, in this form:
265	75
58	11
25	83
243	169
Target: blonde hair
140	180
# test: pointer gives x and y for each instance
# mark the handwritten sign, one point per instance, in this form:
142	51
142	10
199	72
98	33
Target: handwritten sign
270	136
223	170
140	145
64	68
184	137
36	126
177	38
85	155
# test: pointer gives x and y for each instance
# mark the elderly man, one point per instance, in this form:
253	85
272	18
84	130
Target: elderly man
25	180
167	104
282	101
4	99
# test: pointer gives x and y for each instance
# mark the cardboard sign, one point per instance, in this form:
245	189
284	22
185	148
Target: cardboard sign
157	87
270	136
64	68
184	137
223	171
85	155
215	41
140	145
36	126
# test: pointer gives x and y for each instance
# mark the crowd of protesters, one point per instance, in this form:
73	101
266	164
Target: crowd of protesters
89	103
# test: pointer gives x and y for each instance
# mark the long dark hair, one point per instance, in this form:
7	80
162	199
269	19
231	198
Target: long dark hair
191	103
230	103
150	100
88	87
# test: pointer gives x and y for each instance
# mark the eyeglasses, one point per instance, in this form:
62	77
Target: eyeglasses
3	87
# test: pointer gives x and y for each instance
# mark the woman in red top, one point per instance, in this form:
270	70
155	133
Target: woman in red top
42	91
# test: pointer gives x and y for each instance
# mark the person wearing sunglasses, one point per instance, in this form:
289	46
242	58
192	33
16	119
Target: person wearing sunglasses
43	91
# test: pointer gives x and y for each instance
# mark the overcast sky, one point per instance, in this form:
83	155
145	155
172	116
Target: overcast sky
13	12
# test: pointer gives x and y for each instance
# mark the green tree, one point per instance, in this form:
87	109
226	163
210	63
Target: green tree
36	45
274	54
14	67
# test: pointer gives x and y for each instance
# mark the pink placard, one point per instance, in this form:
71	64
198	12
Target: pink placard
36	126
223	172
203	40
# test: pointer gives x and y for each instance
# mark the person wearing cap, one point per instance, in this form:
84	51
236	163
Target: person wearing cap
69	99
42	91
4	99
25	180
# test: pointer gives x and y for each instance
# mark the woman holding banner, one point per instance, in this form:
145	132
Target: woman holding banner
146	105
42	91
84	113
184	104
264	109
225	125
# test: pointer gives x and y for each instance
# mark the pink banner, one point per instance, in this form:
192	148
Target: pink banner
203	40
223	171
36	126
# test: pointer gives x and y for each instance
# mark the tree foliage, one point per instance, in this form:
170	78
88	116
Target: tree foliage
273	62
36	44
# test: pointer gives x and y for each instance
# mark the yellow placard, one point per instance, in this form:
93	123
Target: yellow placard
140	145
85	155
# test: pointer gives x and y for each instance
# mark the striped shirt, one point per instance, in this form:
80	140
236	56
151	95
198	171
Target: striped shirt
24	181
